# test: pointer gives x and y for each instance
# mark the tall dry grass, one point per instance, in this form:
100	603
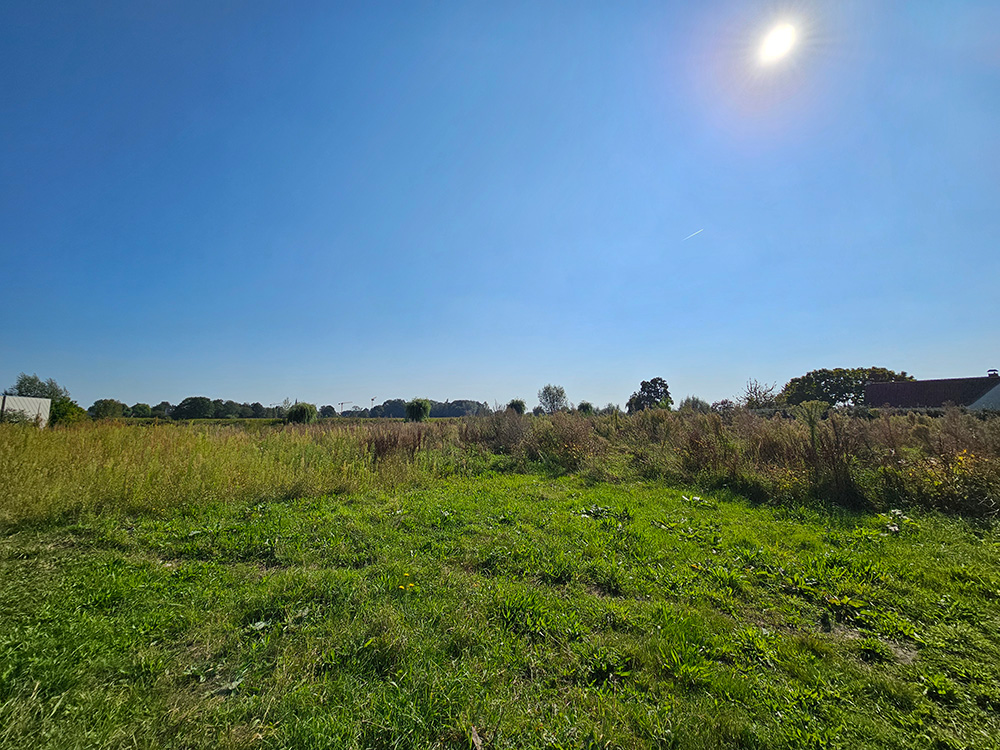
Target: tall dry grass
110	466
950	463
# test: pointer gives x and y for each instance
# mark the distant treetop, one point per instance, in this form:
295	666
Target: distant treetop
652	394
552	398
839	385
32	386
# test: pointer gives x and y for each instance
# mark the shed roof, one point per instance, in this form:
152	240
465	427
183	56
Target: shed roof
929	393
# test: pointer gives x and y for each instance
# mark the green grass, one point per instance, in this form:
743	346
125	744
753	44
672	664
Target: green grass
512	611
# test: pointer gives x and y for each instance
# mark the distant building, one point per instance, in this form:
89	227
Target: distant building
35	409
972	393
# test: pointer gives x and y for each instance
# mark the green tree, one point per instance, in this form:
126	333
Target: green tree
838	386
652	394
226	409
141	410
516	405
301	413
32	386
552	398
194	407
66	411
585	407
63	409
394	408
107	408
327	410
418	410
162	410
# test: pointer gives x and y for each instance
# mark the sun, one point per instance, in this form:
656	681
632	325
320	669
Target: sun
777	44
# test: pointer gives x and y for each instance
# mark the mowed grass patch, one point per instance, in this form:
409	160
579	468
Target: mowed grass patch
502	612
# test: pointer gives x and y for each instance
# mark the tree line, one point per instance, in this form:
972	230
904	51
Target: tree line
836	387
202	407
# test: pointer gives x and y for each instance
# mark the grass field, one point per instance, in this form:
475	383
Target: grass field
287	588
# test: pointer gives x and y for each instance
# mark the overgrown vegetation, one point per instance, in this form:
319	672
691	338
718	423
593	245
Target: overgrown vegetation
949	463
503	582
302	413
418	410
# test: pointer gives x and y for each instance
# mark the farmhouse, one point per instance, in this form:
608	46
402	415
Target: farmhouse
35	409
973	393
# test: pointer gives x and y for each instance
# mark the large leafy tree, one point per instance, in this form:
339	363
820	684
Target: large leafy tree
458	408
394	408
652	394
162	410
552	398
141	410
845	386
63	409
225	409
32	386
107	408
195	407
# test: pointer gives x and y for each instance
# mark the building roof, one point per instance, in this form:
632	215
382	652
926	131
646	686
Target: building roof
929	393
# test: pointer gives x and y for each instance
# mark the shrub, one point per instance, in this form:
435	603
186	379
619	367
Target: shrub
418	410
67	411
516	405
562	441
502	433
693	403
301	413
12	416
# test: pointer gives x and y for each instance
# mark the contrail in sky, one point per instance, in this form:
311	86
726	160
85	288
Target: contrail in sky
692	235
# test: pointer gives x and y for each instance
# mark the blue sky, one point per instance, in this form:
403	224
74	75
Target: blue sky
332	202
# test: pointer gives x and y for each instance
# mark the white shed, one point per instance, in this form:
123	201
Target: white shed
36	409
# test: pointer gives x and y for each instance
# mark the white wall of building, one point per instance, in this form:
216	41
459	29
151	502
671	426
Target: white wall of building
990	401
33	408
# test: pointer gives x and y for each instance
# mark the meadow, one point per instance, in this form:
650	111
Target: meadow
656	580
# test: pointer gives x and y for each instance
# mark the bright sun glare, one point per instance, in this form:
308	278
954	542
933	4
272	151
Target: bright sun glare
777	44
